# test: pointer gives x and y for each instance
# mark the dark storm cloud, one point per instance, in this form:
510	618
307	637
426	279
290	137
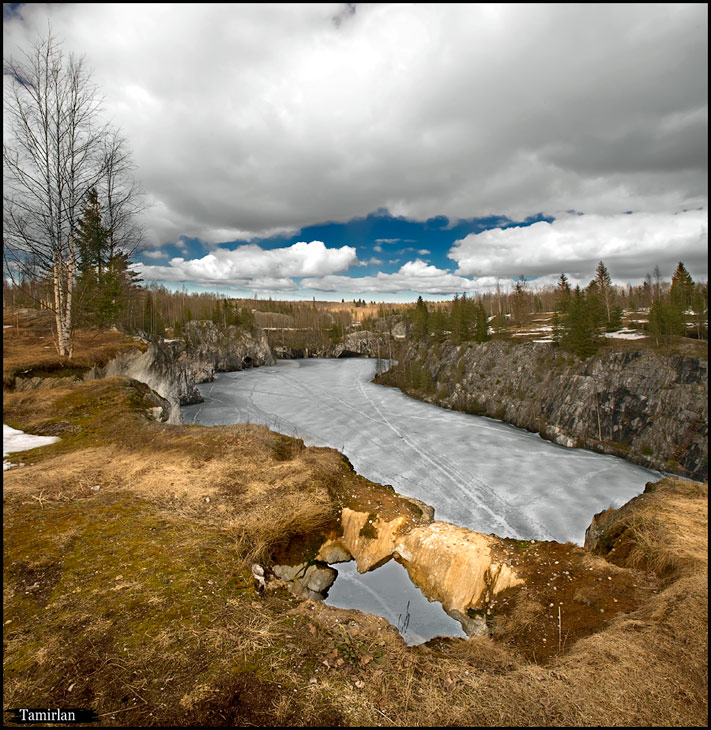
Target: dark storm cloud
251	120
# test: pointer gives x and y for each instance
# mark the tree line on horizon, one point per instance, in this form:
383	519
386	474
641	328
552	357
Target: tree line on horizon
580	316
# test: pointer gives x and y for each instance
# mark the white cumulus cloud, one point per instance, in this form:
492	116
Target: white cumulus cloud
416	276
252	267
629	244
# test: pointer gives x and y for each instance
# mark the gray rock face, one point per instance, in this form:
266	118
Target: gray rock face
172	368
307	581
649	408
333	551
355	344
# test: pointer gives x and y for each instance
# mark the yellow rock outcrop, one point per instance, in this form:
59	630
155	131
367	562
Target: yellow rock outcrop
449	564
370	539
456	567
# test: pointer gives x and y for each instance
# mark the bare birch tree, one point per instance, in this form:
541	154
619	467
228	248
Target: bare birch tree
56	149
122	197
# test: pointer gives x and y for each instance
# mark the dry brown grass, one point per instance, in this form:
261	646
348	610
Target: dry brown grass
136	600
662	530
668	538
28	345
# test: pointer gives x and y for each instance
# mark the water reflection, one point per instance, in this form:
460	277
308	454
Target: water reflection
389	592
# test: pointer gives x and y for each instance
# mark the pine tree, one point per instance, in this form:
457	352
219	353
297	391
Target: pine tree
607	297
579	328
682	289
247	318
481	333
665	321
103	281
92	238
455	321
420	317
562	294
519	305
438	324
594	304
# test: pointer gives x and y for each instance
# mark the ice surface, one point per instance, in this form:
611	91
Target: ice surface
476	472
14	440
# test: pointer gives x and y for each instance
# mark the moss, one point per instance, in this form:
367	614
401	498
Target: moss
521	546
114	581
368	530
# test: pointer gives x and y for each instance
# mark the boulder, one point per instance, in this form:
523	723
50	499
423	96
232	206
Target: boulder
370	539
306	580
333	551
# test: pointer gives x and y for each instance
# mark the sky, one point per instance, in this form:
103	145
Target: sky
385	151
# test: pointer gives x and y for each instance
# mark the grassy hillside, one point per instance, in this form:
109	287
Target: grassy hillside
136	599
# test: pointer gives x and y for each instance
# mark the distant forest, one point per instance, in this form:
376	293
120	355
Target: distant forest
110	295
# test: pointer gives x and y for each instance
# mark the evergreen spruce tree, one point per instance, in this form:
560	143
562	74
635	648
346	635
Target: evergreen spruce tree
682	289
455	321
519	305
562	294
595	307
105	281
92	238
217	315
481	333
247	319
469	317
665	321
579	328
101	279
607	298
420	317
438	324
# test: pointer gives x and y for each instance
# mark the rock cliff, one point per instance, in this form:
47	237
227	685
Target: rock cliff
355	344
173	367
644	406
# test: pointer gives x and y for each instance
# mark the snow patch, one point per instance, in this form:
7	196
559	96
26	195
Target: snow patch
625	334
14	440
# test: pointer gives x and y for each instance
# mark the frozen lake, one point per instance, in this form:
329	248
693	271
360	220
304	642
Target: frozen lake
476	472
